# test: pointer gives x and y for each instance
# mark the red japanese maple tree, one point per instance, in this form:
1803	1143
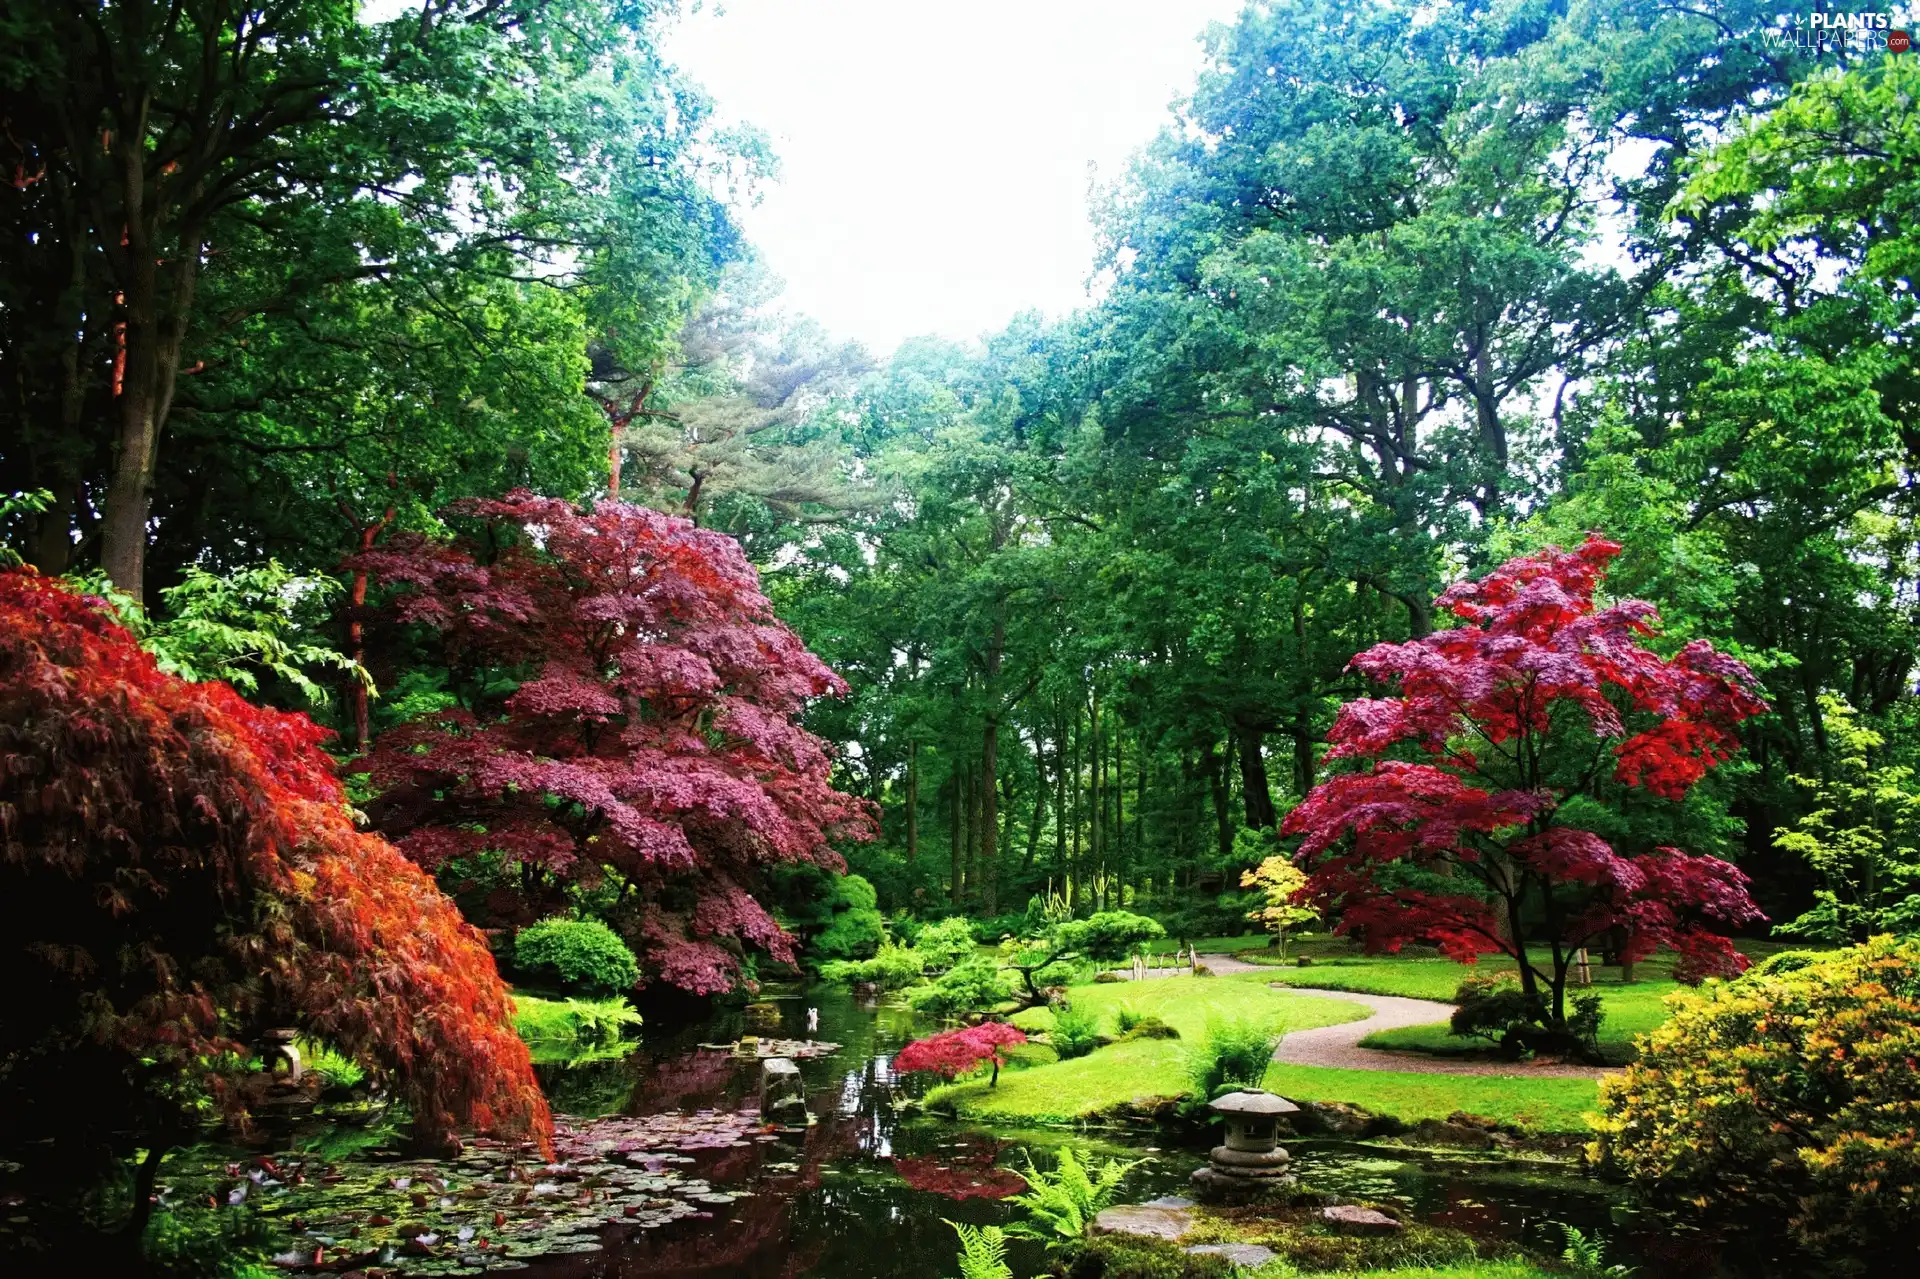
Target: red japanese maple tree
627	719
1468	835
178	871
954	1052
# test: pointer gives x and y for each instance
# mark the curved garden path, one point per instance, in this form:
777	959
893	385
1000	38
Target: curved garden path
1339	1046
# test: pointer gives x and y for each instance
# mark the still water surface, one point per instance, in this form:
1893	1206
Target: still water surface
868	1192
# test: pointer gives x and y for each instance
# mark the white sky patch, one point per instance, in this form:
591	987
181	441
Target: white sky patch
935	158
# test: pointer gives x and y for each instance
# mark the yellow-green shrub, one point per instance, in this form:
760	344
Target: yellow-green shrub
1787	1101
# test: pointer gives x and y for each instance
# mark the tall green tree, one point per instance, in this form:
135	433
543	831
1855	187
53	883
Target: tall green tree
287	255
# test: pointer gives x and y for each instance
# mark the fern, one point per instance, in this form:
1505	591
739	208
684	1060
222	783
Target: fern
1062	1204
237	627
1589	1256
983	1252
338	1069
13	508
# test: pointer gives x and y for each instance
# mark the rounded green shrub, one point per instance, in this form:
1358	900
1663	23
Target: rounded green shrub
1784	1107
855	927
576	952
1146	1027
974	985
1075	1033
890	969
946	943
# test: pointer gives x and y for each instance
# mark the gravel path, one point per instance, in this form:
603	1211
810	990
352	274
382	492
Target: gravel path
1339	1046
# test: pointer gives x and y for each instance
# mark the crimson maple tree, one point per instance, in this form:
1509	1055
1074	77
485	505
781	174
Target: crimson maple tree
179	870
1512	732
627	722
954	1052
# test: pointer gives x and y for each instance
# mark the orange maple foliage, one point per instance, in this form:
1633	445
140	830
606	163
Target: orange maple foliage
179	870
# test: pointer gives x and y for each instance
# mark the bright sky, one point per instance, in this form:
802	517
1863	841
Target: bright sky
935	156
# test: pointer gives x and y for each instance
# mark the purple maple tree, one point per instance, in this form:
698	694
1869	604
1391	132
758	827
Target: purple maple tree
1459	827
627	721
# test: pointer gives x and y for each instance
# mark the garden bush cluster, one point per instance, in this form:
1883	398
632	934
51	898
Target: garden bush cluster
1495	1008
1785	1104
578	953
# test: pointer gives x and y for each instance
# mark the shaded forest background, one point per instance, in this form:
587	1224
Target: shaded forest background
1398	292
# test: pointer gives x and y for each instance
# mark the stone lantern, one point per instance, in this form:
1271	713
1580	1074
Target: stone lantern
1252	1164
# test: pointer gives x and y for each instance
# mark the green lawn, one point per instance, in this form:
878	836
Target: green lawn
1037	1088
1046	1090
1631	1009
1051	1091
1545	1105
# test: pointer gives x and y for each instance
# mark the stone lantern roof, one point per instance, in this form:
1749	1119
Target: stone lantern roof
1253	1102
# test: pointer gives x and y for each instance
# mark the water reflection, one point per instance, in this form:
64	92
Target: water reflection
866	1191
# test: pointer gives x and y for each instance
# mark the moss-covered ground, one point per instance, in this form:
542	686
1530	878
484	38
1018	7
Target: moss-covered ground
1305	1248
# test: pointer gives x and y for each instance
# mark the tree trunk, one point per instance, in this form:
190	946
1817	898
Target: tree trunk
146	1176
1039	806
913	802
1303	751
151	361
1117	875
1218	762
1060	794
123	525
1140	805
989	813
1009	806
51	547
1076	865
1097	799
955	850
970	882
1517	938
1253	779
356	689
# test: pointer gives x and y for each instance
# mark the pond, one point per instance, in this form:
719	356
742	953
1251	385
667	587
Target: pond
868	1192
680	1178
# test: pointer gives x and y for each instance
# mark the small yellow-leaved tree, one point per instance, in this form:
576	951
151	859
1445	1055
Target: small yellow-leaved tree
1280	881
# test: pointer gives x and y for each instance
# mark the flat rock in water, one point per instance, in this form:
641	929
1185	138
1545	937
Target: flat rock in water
779	1048
1169	1201
1351	1219
1144	1219
1248	1256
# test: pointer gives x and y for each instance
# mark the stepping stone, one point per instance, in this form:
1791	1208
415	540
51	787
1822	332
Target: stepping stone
1248	1256
1145	1220
1351	1219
